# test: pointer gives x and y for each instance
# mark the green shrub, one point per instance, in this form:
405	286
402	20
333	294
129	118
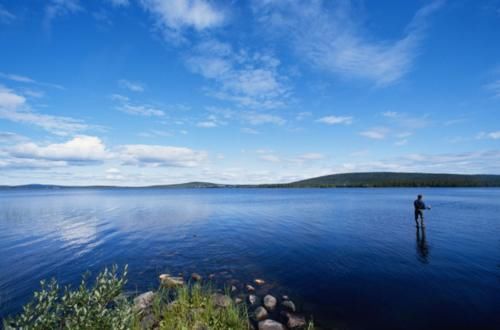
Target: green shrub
193	307
101	306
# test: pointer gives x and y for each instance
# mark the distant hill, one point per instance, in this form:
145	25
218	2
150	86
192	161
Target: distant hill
367	179
395	179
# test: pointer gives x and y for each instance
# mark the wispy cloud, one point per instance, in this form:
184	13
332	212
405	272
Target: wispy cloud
120	3
248	130
125	105
27	80
255	118
335	120
490	135
494	88
56	8
131	85
332	40
6	16
155	156
376	133
13	107
248	80
174	16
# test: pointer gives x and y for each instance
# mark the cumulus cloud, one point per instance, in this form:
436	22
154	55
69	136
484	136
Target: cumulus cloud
335	120
248	80
174	16
9	99
333	39
155	155
79	149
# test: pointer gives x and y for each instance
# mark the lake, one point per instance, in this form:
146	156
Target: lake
350	257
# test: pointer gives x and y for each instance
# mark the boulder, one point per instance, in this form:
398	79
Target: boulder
296	321
144	301
289	305
221	300
252	299
233	288
284	297
250	288
260	313
259	281
171	281
271	325
270	302
196	277
238	300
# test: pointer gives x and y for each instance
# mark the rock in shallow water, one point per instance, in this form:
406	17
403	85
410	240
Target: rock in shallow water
196	277
171	281
271	325
250	288
252	299
260	313
259	281
270	302
289	305
295	321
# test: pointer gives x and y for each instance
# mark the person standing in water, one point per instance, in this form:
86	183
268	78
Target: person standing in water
419	210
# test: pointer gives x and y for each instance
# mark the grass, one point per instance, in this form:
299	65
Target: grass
193	307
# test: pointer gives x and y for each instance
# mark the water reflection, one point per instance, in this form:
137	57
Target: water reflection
422	247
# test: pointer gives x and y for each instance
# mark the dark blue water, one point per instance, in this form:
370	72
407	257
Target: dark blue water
350	257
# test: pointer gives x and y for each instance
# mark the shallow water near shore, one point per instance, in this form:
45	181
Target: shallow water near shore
350	257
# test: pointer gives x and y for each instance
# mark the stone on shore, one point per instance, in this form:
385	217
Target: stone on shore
171	281
270	302
289	305
252	299
221	300
271	325
238	300
196	277
259	281
250	288
260	313
295	321
233	288
144	301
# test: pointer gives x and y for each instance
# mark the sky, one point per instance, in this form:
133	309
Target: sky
145	92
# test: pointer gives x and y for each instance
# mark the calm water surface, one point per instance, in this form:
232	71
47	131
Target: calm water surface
351	257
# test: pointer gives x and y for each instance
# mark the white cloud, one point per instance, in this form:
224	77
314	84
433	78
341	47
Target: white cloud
401	142
9	99
155	155
311	156
13	107
249	80
335	120
57	8
377	133
491	135
173	16
390	114
270	158
141	110
335	41
6	16
136	109
254	118
207	124
27	80
131	85
249	130
79	149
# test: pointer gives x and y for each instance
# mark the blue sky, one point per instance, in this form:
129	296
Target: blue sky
139	92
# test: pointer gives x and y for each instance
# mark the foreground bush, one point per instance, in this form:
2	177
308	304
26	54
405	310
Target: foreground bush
100	306
198	307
